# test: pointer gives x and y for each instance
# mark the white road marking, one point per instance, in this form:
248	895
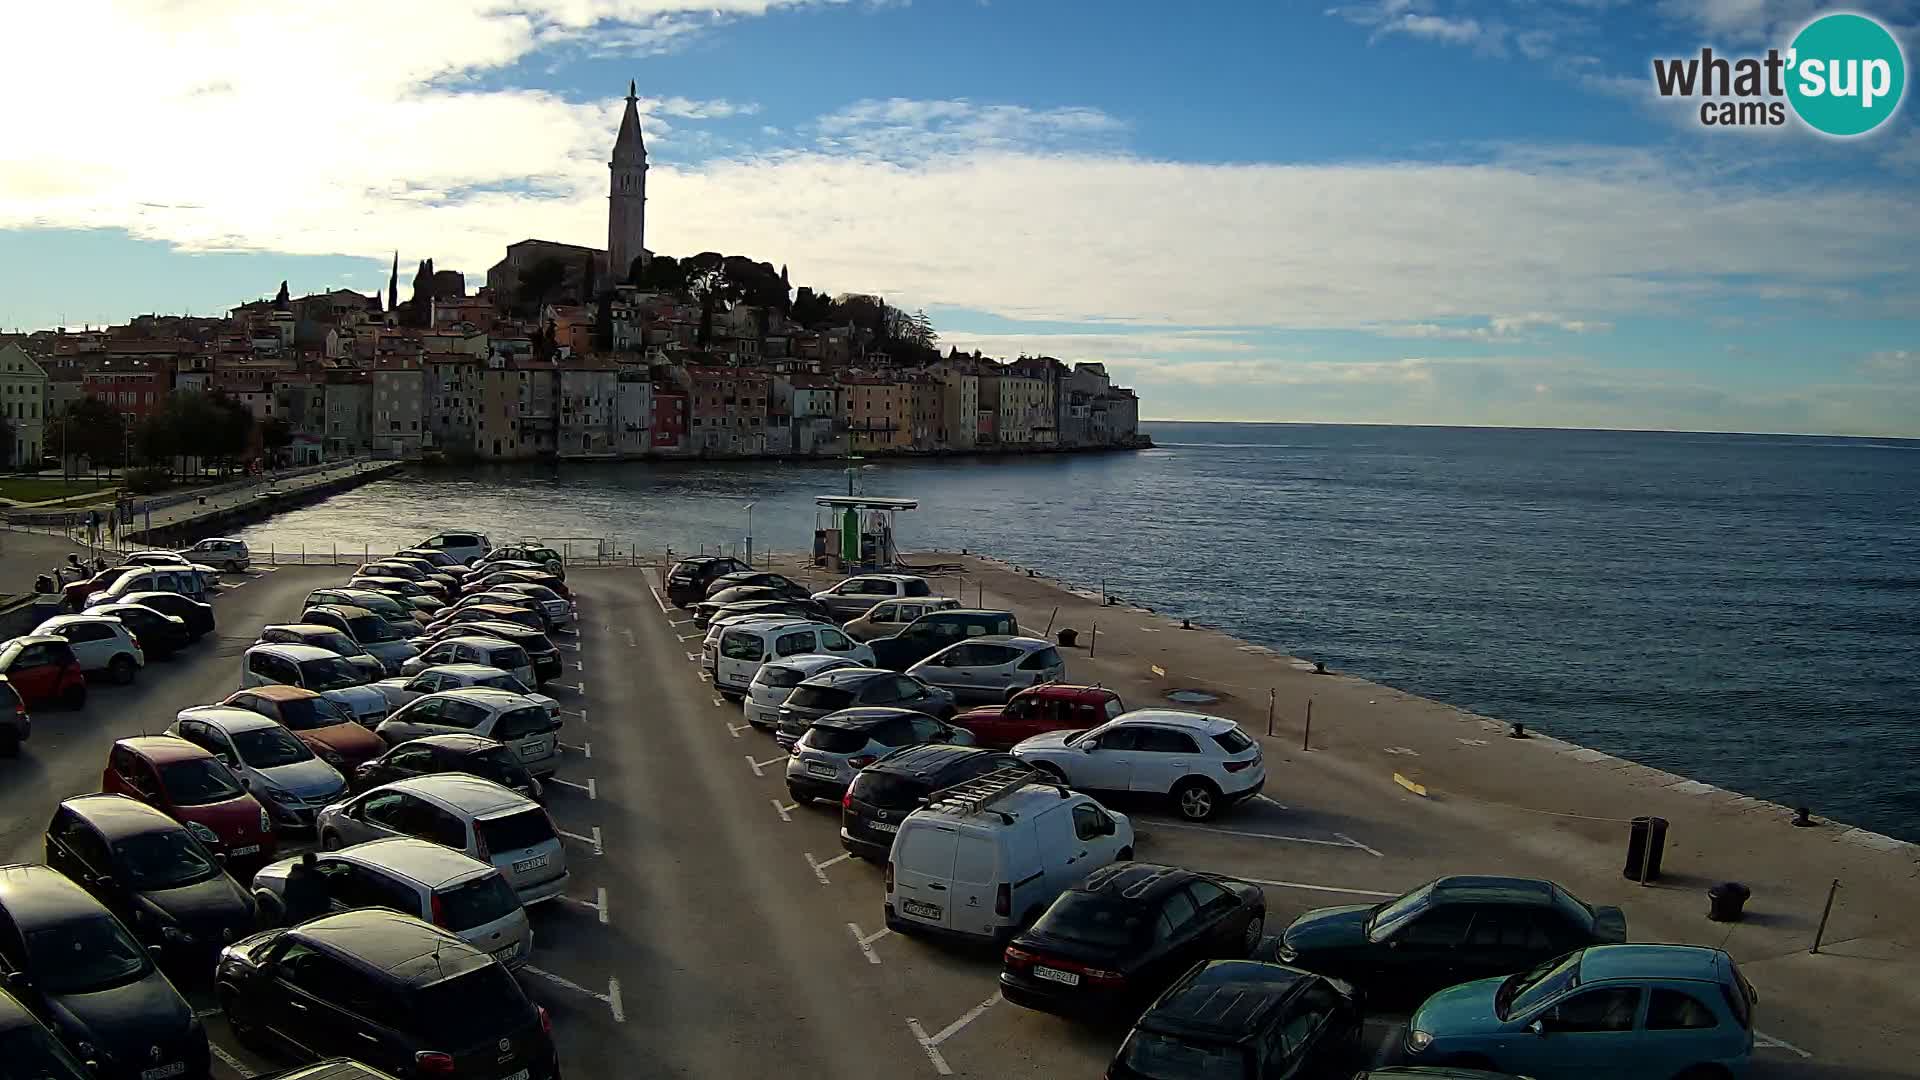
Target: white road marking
1270	802
692	657
1343	842
1318	888
1401	751
230	1061
691	637
757	766
678	622
204	1013
611	998
613	1001
782	808
568	647
865	941
601	894
720	701
598	848
591	787
584	749
657	600
705	675
578	666
1761	1038
632	642
931	1044
820	868
1359	845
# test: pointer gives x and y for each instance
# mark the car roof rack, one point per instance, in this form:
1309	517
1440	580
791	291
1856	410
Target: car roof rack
979	794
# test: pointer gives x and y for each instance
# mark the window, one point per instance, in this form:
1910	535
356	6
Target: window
1673	1010
1609	1008
1041	660
1498	926
1088	822
743	646
416	759
1120	738
835	641
1176	912
386	810
461	714
795	643
1441	928
1207	896
1154	740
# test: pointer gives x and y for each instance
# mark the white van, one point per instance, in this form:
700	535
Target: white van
986	857
745	647
174	579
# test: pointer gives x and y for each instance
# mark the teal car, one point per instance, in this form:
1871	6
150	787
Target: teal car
1653	1011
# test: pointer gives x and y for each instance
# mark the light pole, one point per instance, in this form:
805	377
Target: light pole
749	509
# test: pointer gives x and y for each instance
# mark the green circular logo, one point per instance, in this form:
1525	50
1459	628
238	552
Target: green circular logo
1846	74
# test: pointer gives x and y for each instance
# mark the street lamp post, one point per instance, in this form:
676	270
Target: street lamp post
749	509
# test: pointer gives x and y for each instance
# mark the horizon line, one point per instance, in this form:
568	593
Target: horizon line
1531	427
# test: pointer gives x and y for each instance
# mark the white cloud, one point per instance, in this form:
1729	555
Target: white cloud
1419	19
906	129
1099	348
1893	363
1500	328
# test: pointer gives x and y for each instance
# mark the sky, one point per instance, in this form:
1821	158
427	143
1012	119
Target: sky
1378	211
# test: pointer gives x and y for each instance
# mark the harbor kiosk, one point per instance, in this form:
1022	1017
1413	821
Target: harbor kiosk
854	533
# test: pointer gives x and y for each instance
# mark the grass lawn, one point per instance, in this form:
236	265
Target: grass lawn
30	489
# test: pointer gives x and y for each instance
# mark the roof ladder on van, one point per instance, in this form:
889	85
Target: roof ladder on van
981	792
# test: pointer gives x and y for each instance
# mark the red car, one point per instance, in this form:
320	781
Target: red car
1038	710
328	729
190	785
43	669
76	593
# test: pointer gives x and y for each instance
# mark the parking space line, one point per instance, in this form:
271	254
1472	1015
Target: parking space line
1761	1038
564	645
229	1060
720	701
782	808
591	787
1343	842
735	729
758	766
692	657
657	600
598	849
706	676
691	637
865	941
613	1001
1269	801
578	666
820	868
584	749
1316	888
678	622
931	1044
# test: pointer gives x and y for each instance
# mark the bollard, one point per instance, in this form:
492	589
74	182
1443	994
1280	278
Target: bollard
1803	818
1518	731
1821	931
1050	618
1093	638
1306	736
1269	712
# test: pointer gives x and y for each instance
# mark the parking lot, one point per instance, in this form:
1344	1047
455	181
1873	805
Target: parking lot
714	928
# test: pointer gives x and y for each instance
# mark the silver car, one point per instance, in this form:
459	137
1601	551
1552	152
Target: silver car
855	595
415	877
225	552
490	823
276	768
474	648
322	636
559	609
837	747
991	668
514	720
775	681
458	676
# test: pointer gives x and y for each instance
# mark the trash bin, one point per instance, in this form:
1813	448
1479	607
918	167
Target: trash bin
1726	901
1646	839
1068	636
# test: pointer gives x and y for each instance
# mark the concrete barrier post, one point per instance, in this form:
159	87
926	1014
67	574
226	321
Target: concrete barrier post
1306	735
1824	912
1093	639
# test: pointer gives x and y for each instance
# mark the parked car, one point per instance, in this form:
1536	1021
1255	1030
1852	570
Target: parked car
155	558
317	670
991	668
710	644
885	792
784	586
542	654
102	644
986	857
405	619
483	819
402	590
518	721
490	579
101	991
559	609
474	754
16	726
856	687
464	546
419	878
44	670
1040	709
743	648
439	586
889	617
856	595
792	609
1613	1010
328	728
274	766
440	560
182	579
31	1049
479	613
687	581
1125	933
154	874
1450	930
441	677
197	614
539	555
190	785
322	636
936	630
1201	763
225	552
374	633
353	983
775	681
1239	1018
74	594
703	611
426	566
160	635
836	747
466	651
500	598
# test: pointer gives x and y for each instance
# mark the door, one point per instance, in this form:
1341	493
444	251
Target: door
419	717
741	651
405	761
975	883
1586	1034
1226	922
1162	758
300	1006
35	672
836	643
1179	939
1094	830
382	814
1423	956
1107	762
75	850
1501	940
923	872
793	643
1681	1027
1310	1037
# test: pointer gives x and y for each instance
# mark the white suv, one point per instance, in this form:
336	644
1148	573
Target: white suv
1202	762
100	643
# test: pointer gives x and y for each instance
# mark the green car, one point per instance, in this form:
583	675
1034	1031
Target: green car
1653	1011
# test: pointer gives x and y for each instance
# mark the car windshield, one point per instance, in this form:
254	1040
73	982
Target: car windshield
305	714
1232	741
780	677
1149	1053
888	791
368	629
820	697
515	831
328	673
267	747
1394	914
476	903
32	1054
380	605
335	642
84	955
197	782
838	740
469	1009
163	860
1526	992
1091	920
503	681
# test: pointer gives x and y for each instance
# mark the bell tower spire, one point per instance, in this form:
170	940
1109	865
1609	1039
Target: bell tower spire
627	195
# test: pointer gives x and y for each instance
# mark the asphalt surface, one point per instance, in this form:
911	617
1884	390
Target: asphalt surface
712	928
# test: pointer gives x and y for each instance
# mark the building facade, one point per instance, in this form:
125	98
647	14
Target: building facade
399	409
23	389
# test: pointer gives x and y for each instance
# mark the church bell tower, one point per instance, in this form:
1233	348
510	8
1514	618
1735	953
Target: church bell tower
627	198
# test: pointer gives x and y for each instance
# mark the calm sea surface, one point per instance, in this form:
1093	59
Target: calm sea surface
1744	610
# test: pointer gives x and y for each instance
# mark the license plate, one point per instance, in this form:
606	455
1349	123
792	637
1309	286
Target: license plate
818	769
1064	978
534	863
523	1074
178	1068
250	849
506	954
883	826
925	911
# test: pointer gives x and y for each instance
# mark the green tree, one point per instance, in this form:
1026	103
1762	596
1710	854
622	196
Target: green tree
539	282
275	433
711	288
6	445
93	429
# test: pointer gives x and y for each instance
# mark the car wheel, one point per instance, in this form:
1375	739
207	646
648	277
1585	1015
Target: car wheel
1256	927
1471	1061
1125	854
1702	1072
1050	771
1196	799
75	696
797	797
329	841
9	744
121	669
244	1030
272	911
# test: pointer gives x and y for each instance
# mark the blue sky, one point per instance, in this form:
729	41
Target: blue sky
1416	211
